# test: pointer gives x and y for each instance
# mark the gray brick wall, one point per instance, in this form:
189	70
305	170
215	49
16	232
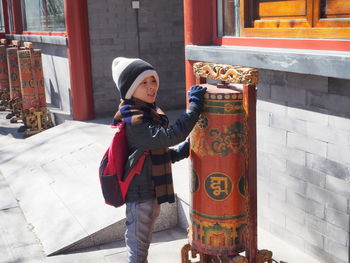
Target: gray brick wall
113	32
303	162
56	76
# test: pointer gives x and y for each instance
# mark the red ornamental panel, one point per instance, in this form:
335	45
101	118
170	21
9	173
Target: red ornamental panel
219	181
4	78
32	79
13	73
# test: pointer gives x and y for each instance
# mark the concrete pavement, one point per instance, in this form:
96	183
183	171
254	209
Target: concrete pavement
18	242
34	176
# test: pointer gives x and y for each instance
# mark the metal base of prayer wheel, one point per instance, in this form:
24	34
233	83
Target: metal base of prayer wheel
4	100
16	110
36	120
189	255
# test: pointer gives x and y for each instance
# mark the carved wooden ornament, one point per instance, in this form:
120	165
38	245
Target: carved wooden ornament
228	73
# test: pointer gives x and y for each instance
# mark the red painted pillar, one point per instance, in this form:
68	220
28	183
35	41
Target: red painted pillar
17	17
190	77
79	57
6	18
198	16
198	23
250	97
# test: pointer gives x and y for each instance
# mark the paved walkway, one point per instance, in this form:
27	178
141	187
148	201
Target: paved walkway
18	243
18	238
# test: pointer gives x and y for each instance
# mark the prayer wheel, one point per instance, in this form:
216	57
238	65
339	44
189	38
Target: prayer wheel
35	114
13	72
32	78
4	78
219	189
223	209
14	81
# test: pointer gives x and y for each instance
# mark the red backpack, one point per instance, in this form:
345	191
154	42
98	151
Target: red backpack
111	169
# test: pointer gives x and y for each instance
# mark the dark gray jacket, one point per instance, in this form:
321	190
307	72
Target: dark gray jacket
149	136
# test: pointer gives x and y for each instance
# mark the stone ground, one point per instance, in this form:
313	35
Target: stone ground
19	242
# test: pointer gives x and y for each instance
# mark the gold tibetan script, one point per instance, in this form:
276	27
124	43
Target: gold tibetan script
219	185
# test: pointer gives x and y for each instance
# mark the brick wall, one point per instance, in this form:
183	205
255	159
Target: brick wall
304	162
114	32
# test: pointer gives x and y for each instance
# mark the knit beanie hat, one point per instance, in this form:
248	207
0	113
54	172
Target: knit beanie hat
128	74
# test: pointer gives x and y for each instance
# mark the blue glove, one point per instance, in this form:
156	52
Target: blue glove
181	152
196	97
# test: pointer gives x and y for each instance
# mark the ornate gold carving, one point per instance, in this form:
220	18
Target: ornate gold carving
189	254
16	110
239	259
228	73
28	45
36	120
264	255
4	100
219	141
16	43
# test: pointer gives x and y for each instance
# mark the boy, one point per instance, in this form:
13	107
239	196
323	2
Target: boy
148	131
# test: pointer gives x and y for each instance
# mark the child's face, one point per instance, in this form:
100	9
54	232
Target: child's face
146	90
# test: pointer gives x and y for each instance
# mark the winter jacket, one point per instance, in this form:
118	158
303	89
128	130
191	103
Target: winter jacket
149	136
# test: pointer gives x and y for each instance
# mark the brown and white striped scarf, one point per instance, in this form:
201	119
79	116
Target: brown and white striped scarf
137	112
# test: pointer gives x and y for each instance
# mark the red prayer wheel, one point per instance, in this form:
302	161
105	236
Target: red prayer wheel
4	77
219	181
39	77
32	78
13	73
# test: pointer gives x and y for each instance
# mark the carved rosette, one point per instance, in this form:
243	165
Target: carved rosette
228	73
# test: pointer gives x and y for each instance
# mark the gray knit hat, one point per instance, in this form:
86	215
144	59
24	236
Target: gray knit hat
128	74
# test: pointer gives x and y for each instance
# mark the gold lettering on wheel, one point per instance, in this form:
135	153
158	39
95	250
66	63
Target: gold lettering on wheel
219	185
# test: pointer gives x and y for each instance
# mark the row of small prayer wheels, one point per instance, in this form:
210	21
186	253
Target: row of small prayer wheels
22	89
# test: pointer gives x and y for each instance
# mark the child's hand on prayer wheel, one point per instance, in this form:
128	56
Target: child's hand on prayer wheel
196	97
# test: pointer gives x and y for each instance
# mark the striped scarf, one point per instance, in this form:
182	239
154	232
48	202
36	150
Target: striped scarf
136	112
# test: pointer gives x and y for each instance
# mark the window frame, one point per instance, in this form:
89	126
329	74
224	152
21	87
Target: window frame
321	22
306	21
43	33
4	14
286	40
220	21
318	29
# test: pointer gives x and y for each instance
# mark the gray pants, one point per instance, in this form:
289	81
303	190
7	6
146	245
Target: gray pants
140	219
